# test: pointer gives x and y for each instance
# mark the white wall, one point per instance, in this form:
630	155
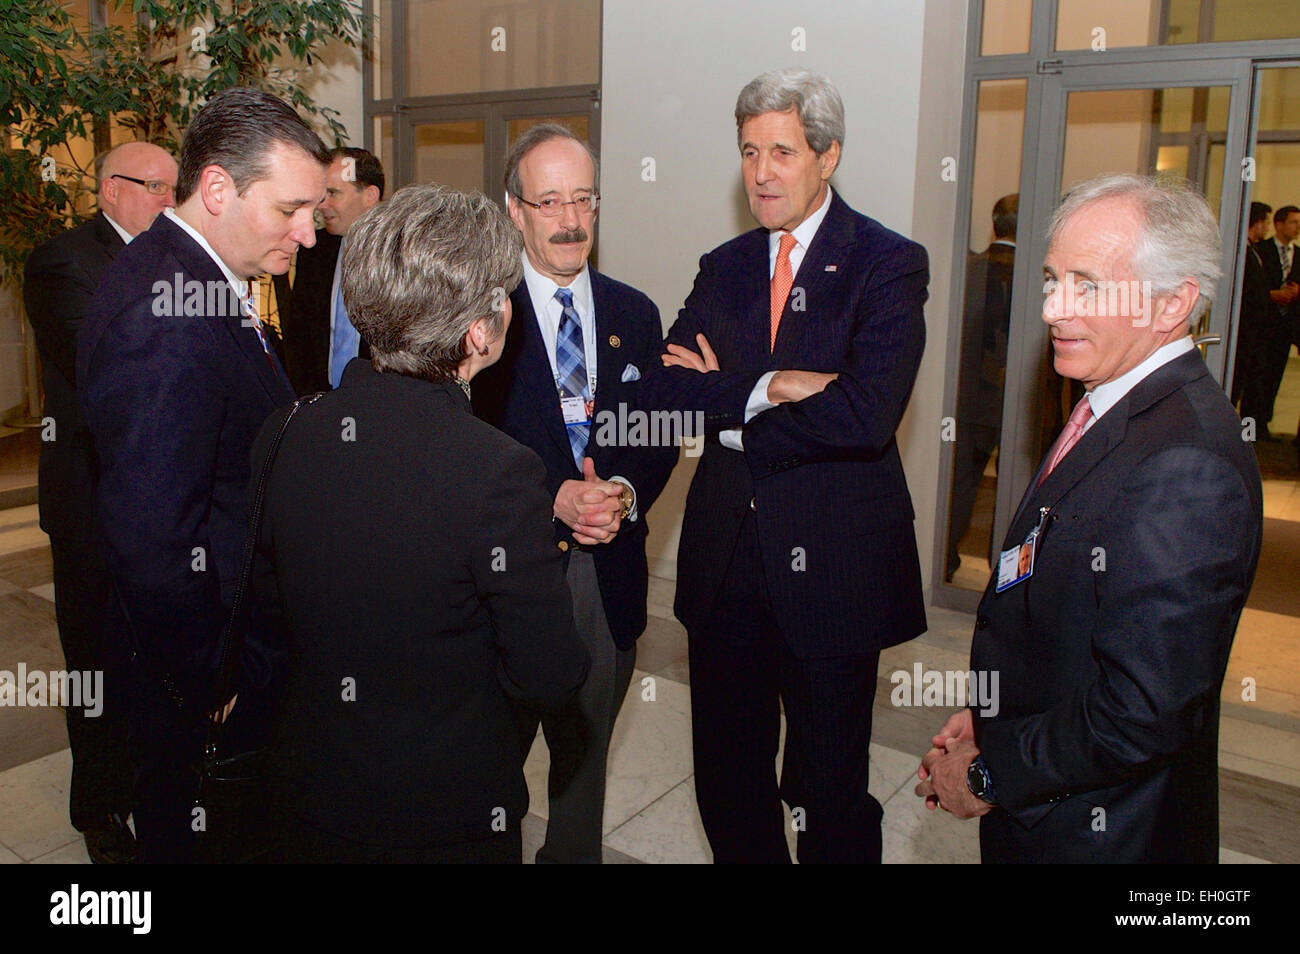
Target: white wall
671	74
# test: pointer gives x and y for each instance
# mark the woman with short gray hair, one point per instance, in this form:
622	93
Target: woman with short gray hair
406	555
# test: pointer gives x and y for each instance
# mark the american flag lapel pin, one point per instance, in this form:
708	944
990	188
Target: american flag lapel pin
832	268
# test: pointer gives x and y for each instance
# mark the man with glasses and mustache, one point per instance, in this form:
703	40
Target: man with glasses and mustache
576	351
135	184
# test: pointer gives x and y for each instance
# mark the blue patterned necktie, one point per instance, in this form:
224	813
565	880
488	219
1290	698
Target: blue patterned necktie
571	368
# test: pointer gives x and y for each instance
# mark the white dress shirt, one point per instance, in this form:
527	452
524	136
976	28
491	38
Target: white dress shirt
241	288
803	235
1105	396
126	236
549	311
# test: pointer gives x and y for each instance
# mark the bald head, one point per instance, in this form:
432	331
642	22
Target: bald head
130	203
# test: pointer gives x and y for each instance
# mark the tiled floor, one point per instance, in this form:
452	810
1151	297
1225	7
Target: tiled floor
650	805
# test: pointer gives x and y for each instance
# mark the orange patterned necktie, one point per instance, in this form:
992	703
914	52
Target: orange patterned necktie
782	282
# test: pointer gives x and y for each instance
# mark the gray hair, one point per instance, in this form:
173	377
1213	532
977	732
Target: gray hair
1180	236
811	95
419	269
533	137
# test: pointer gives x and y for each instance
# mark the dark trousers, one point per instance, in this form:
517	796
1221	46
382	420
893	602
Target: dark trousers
101	769
165	747
742	673
578	736
975	445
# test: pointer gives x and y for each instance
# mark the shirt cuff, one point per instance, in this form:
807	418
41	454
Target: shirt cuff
758	403
631	514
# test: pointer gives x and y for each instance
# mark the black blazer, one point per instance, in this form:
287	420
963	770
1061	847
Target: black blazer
1111	656
305	325
823	475
518	395
59	282
413	562
173	402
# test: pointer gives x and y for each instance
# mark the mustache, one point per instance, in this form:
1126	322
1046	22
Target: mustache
564	238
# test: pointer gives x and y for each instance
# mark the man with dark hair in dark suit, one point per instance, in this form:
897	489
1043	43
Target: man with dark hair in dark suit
574	354
135	184
319	340
1144	524
1250	377
1281	269
986	321
176	378
797	561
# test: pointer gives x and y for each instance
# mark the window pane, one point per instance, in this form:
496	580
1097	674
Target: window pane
471	46
450	154
578	125
986	316
1107	24
384	147
381	49
1006	27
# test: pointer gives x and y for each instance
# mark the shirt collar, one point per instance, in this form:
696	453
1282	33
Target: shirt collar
126	236
1105	396
541	288
805	231
240	287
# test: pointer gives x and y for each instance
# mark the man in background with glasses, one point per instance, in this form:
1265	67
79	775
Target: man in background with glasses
574	356
135	184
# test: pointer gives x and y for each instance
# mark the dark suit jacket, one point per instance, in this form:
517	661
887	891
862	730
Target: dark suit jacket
824	474
173	403
59	282
305	325
1112	655
518	395
417	561
1284	318
986	322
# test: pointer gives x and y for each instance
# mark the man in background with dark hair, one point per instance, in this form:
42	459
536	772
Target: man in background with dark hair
136	182
1281	268
319	340
176	378
1250	375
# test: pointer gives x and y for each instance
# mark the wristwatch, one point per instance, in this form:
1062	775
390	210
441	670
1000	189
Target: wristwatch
979	781
626	498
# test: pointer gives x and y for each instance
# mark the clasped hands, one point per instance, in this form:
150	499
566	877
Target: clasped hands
1286	294
785	386
943	770
590	507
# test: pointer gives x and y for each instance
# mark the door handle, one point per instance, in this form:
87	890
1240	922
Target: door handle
1202	340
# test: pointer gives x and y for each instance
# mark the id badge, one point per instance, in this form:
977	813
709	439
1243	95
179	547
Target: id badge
576	411
1017	564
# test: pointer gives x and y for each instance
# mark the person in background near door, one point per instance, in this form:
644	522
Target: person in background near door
1145	522
1250	377
986	322
319	340
1281	267
575	353
136	182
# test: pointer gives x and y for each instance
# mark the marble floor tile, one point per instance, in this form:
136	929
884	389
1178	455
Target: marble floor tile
1229	857
650	751
661	650
73	853
7	857
34	806
7	587
1287	775
45	591
29	567
1261	742
914	834
1257	816
659	601
668	831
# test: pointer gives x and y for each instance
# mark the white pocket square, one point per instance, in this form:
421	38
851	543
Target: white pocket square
631	373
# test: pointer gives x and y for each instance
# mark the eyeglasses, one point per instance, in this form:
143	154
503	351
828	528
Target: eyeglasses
551	206
155	186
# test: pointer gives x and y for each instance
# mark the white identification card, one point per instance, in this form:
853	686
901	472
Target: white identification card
1017	564
576	410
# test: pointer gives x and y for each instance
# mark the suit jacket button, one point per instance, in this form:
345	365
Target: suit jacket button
751	504
563	545
982	622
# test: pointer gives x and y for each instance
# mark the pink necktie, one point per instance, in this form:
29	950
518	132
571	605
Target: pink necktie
1069	436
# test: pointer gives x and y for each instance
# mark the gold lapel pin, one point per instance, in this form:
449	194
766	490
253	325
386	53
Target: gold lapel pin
614	341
